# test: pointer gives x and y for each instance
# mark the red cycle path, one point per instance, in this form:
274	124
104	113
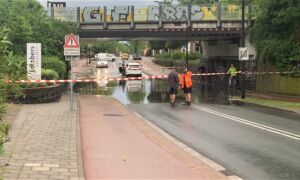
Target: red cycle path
118	145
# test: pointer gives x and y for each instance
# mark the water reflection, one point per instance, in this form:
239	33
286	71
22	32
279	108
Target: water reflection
152	91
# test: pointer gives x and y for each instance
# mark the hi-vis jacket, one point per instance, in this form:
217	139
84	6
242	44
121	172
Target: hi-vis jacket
187	78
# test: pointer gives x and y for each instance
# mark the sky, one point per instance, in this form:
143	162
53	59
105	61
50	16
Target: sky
82	3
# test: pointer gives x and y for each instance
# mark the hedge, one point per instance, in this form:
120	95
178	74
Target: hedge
52	62
49	74
178	55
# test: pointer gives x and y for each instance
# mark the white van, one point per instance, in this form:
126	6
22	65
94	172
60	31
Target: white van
105	56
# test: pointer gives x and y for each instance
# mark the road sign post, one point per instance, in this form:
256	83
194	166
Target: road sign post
71	84
243	93
71	48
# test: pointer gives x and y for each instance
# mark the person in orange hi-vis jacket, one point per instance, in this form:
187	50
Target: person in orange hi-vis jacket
186	85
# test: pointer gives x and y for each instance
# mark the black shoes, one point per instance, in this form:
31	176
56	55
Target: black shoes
187	103
173	104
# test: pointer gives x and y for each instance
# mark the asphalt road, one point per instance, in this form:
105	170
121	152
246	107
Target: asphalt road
250	144
233	137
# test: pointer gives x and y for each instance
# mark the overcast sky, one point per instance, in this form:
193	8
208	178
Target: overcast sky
75	3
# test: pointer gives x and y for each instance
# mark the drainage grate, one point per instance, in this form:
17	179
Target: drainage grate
113	115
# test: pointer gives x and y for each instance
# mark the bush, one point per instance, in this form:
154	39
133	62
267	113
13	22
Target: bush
194	55
3	108
178	55
33	85
52	62
49	74
4	129
193	65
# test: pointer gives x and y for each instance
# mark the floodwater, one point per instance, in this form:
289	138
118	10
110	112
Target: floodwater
150	91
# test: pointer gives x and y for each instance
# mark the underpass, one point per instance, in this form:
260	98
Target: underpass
250	143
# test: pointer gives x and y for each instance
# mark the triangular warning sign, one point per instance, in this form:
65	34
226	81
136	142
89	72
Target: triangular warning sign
71	42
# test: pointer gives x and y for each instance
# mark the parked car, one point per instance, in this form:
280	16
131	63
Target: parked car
124	56
134	69
137	57
105	56
101	63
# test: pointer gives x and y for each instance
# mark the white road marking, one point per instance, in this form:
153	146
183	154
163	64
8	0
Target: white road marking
250	123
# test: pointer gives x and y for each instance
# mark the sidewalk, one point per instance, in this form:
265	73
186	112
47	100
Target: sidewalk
82	70
152	69
116	144
44	143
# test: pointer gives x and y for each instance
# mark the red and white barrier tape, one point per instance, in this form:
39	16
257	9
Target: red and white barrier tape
90	80
157	67
135	78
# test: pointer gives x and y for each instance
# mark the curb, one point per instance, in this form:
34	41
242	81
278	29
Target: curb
267	109
189	150
80	162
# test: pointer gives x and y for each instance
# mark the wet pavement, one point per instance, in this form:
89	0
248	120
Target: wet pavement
251	144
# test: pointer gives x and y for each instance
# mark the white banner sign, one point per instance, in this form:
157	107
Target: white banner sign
34	61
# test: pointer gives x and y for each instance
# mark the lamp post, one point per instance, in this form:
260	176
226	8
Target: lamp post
243	89
89	45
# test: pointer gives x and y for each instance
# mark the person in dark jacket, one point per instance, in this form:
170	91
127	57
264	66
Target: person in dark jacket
173	80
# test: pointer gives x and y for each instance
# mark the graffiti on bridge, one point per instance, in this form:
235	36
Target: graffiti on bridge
150	13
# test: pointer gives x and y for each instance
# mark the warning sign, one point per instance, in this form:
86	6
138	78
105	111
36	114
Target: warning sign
71	47
72	42
243	54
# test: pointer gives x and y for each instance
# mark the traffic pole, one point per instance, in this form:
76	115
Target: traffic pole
243	88
187	54
71	84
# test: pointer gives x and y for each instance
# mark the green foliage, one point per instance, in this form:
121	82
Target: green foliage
113	47
137	46
157	45
194	55
4	129
52	62
276	33
171	62
49	74
3	108
28	22
16	67
174	44
177	55
33	85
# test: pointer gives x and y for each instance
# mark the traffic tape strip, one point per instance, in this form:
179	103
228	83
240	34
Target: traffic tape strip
89	80
136	78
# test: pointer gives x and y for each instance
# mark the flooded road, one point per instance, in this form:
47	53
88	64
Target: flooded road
147	91
211	126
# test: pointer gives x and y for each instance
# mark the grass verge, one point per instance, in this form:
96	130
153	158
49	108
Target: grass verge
287	105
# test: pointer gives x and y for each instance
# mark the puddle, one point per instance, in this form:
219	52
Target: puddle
151	91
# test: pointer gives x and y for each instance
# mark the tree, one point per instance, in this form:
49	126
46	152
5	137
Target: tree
138	46
28	22
276	32
157	45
